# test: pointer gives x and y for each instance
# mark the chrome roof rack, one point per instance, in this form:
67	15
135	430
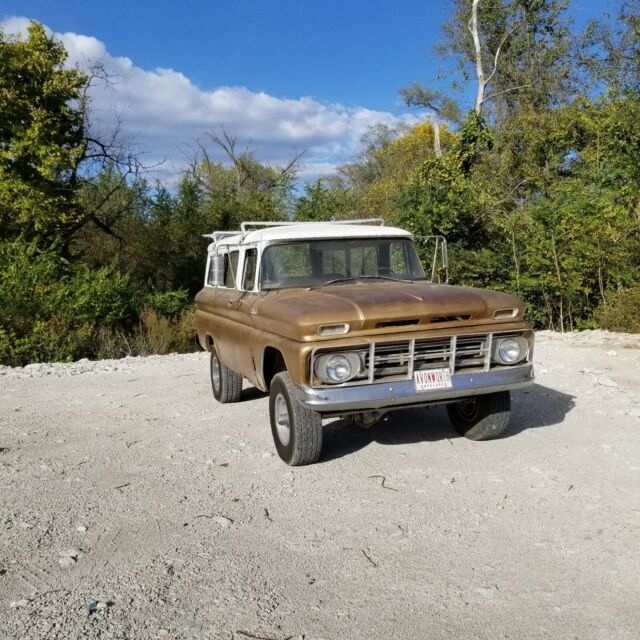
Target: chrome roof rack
218	235
245	226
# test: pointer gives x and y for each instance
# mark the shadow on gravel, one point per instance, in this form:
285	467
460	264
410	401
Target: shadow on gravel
534	407
537	406
252	393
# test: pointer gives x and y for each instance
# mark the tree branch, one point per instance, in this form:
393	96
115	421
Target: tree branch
499	93
497	54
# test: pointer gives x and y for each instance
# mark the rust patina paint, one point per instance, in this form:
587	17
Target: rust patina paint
243	325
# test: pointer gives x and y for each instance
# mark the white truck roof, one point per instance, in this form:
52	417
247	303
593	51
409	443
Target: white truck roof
310	231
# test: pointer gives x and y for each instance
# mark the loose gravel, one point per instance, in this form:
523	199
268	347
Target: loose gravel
132	505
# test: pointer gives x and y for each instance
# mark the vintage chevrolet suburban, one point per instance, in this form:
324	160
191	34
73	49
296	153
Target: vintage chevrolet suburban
340	319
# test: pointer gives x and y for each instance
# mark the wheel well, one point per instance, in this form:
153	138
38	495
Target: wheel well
209	343
272	364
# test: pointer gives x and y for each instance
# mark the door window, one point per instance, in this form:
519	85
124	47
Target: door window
249	271
230	269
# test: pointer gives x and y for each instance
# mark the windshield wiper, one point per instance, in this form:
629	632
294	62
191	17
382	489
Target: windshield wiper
352	278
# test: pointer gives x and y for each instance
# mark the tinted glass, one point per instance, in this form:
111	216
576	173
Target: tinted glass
230	269
311	263
210	273
249	273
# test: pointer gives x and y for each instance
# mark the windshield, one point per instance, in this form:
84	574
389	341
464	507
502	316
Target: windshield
321	262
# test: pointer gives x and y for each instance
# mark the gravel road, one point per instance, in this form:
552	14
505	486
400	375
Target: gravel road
134	506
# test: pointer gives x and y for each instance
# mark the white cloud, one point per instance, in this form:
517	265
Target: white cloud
162	112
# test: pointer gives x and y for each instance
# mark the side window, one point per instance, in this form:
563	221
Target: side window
230	269
249	271
210	280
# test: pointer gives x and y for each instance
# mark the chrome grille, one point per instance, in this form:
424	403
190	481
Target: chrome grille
399	359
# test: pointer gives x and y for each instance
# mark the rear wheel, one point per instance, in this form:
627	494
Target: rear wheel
297	431
481	417
226	384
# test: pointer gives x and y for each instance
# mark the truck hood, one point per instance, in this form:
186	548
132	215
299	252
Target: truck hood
373	307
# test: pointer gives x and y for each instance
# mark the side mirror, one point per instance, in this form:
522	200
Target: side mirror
215	277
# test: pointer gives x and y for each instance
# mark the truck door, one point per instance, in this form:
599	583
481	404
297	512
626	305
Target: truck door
244	318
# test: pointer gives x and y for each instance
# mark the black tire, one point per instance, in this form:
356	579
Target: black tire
226	384
481	417
304	427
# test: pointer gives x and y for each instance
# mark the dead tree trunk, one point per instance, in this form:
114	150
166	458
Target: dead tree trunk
484	80
473	28
436	139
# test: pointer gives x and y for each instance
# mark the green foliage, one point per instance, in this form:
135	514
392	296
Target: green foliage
532	42
438	198
49	308
621	311
538	195
42	138
53	310
325	200
169	303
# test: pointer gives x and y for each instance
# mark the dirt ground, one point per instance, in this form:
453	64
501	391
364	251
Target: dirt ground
132	505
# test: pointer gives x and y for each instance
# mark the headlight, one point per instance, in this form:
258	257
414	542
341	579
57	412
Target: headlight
510	350
335	368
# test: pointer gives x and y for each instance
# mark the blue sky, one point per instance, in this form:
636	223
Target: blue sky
305	67
338	51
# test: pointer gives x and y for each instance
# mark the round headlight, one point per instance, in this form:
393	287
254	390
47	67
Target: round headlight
335	368
510	350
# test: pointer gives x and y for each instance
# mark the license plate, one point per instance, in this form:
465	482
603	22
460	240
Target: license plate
432	379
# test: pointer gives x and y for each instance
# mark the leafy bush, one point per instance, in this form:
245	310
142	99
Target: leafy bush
51	310
621	312
169	303
103	296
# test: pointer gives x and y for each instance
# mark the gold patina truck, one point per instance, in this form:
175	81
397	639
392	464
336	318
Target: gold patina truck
341	319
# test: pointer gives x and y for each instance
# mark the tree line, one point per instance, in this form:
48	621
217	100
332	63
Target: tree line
535	185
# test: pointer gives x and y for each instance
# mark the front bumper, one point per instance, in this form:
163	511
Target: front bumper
389	395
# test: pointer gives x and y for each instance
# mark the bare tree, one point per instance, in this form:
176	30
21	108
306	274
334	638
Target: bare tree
100	152
249	174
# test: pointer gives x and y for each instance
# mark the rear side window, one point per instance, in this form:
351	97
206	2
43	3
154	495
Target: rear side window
230	269
210	280
249	271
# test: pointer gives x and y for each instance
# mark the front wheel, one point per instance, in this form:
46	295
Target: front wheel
297	431
481	417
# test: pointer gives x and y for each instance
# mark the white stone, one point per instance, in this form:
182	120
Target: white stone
15	604
223	521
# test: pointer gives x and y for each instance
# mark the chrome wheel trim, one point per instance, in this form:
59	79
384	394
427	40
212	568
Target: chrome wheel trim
215	372
281	414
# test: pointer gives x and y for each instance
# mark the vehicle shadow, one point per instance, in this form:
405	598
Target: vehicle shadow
252	393
534	407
